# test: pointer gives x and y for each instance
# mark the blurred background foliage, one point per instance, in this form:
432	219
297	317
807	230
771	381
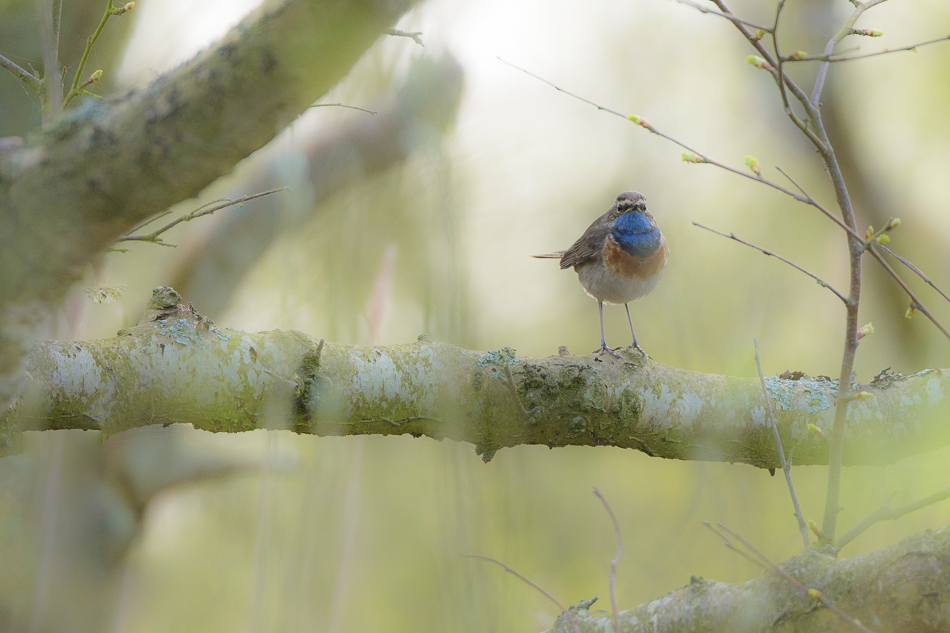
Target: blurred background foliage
423	224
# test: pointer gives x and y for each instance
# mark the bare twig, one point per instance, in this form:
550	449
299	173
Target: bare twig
613	563
566	612
887	513
859	9
786	464
730	17
916	270
732	236
415	36
807	199
702	158
779	61
77	90
799	94
915	303
30	80
762	561
340	105
207	209
832	58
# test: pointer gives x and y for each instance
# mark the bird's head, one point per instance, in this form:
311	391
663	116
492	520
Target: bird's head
630	215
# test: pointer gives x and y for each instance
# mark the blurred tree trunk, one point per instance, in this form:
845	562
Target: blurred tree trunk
104	167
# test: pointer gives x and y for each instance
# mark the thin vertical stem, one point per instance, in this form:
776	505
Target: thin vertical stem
49	12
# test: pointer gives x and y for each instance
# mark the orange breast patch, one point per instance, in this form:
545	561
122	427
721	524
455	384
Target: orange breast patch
622	263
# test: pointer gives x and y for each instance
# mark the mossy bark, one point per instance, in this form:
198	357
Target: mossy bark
176	366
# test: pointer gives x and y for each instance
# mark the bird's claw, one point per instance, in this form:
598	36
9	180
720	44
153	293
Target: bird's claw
604	349
637	347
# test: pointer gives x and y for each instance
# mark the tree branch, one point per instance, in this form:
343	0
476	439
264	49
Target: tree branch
885	589
176	366
104	167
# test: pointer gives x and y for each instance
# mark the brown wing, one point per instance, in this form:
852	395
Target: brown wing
590	245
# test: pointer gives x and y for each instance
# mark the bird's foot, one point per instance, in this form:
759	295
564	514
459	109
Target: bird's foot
637	347
606	350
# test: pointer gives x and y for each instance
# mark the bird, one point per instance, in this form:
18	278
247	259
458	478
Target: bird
619	258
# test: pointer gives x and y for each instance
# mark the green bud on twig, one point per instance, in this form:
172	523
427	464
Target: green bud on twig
123	9
758	35
867	32
883	239
865	330
814	428
758	62
893	224
911	311
798	55
753	163
639	121
689	157
93	78
862	395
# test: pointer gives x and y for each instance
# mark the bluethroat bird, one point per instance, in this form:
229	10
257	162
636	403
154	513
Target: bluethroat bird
619	258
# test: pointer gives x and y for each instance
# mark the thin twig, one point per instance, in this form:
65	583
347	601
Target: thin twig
76	90
887	513
730	17
207	209
567	612
831	58
764	562
915	303
859	8
916	270
807	199
613	563
415	36
779	61
340	105
702	158
30	80
755	41
732	236
559	89
786	464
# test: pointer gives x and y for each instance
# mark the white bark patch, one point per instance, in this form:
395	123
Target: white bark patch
690	405
656	408
379	380
80	376
934	392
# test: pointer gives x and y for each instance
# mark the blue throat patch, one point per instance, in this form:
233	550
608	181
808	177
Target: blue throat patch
636	235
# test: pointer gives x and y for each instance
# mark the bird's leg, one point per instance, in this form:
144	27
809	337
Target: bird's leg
632	333
603	339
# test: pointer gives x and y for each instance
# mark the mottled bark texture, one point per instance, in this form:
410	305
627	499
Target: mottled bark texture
904	588
77	185
176	366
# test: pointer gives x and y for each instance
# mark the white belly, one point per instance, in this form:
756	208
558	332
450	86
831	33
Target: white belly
610	288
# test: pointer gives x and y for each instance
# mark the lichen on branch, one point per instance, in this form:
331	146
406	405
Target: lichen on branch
176	366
